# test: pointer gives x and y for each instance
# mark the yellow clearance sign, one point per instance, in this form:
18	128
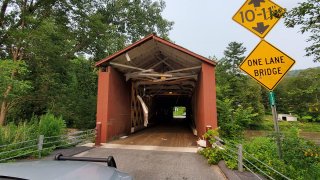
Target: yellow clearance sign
267	64
258	16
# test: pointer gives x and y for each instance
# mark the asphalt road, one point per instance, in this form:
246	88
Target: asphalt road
158	165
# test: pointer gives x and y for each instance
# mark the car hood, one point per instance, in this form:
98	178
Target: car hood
61	170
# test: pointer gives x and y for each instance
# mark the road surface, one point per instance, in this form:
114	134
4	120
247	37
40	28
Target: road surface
158	165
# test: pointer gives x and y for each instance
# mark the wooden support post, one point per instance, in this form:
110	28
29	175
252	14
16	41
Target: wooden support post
240	158
98	134
40	145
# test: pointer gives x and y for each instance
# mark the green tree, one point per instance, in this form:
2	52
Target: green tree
235	86
301	94
12	86
233	120
233	55
97	28
77	103
307	17
47	35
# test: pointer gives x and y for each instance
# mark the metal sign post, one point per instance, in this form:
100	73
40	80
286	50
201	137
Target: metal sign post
266	64
275	120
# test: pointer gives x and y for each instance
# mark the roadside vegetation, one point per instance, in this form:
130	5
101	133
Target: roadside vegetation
243	105
48	81
179	111
301	158
25	135
268	125
48	51
38	137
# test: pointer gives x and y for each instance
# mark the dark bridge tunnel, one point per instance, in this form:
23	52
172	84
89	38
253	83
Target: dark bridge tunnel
139	86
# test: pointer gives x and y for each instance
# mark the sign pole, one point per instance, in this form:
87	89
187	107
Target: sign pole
275	120
266	63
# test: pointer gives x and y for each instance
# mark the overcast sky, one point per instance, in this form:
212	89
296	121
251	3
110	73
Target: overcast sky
206	28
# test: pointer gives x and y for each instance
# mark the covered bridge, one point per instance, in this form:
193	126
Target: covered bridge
139	86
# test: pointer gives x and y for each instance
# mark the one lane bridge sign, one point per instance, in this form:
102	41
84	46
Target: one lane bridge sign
258	16
267	64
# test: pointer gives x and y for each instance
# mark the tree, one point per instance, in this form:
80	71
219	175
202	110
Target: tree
11	86
307	16
233	55
77	102
98	27
301	94
233	120
235	87
48	34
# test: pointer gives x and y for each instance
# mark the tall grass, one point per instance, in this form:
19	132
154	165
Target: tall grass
25	134
47	125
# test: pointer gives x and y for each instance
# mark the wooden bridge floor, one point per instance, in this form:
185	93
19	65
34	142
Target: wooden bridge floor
169	135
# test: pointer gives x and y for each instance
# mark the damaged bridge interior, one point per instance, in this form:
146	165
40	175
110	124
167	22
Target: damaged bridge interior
140	86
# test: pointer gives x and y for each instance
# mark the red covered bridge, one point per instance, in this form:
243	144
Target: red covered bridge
139	86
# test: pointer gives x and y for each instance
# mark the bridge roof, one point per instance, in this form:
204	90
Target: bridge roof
159	66
152	48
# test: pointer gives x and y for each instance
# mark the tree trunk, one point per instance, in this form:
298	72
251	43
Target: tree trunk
4	104
3	112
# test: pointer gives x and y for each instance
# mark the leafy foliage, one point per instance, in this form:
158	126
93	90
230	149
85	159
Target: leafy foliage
179	111
307	17
21	87
232	122
301	158
297	161
268	125
21	140
233	55
52	37
210	135
301	154
77	103
239	98
12	85
214	155
49	125
300	95
233	85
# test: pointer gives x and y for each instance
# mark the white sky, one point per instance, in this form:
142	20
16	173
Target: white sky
206	28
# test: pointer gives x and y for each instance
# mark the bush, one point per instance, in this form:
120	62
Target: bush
301	158
210	135
232	122
302	155
306	118
49	125
213	155
25	135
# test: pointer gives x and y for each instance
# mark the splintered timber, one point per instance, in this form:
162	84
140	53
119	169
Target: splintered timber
267	71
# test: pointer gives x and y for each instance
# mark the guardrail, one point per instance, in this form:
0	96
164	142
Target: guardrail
37	146
249	161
